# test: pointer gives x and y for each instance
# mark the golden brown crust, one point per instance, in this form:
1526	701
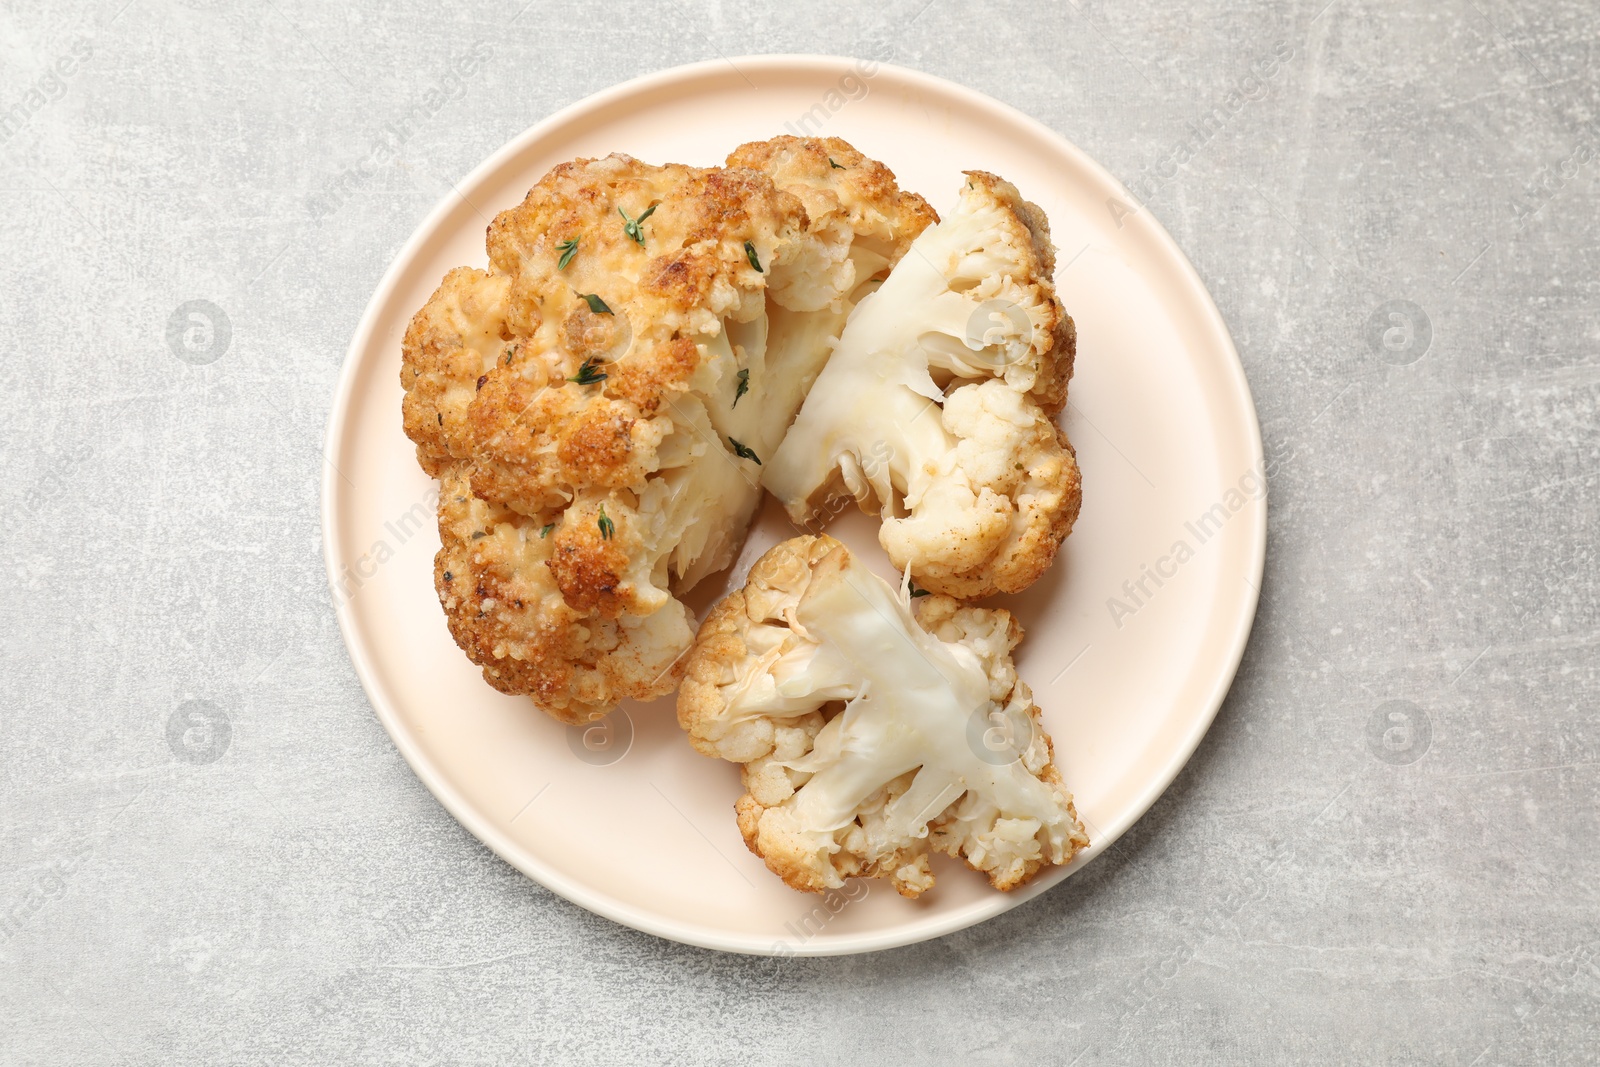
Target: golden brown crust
747	812
832	179
489	361
590	568
448	345
1051	390
650	384
569	375
540	406
537	446
505	611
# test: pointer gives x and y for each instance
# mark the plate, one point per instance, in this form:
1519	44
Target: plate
1133	636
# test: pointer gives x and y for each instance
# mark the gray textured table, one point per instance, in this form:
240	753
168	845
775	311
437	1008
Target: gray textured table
1383	852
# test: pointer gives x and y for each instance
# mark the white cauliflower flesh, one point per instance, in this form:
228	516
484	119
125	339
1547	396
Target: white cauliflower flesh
935	407
871	738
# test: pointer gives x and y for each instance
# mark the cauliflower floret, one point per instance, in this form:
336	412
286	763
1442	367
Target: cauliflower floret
640	342
935	407
449	343
505	609
937	747
844	192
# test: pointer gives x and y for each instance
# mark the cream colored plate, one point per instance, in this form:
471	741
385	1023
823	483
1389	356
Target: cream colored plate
624	818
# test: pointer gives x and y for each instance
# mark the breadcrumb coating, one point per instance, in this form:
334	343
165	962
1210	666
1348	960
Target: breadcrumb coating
642	337
507	611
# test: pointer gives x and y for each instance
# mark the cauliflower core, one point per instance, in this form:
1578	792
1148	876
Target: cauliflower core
597	403
936	405
937	746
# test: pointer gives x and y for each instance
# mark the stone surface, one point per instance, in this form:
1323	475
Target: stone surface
211	852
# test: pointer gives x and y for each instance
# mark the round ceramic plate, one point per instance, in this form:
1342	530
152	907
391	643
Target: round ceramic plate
1132	638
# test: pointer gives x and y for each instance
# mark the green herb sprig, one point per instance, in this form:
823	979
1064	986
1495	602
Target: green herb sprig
587	374
569	248
755	261
607	527
744	451
596	305
744	386
631	226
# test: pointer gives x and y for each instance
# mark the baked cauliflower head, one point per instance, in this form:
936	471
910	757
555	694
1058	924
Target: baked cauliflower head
597	403
870	737
936	408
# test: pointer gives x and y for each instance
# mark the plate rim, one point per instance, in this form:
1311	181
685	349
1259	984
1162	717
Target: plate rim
476	822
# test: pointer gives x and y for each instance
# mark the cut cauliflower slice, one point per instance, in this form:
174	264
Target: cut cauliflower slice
609	387
938	746
867	221
936	406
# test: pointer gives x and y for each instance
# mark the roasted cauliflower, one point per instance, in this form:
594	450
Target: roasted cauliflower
597	403
935	409
870	738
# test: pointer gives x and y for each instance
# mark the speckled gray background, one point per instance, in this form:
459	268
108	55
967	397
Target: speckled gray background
1334	878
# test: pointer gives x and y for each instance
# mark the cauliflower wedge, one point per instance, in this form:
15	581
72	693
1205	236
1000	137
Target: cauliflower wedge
870	738
935	408
598	402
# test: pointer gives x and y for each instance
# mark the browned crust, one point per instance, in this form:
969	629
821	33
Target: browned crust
589	568
437	364
484	364
487	365
862	189
506	614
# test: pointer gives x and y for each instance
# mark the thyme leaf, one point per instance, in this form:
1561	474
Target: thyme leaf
569	248
631	226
